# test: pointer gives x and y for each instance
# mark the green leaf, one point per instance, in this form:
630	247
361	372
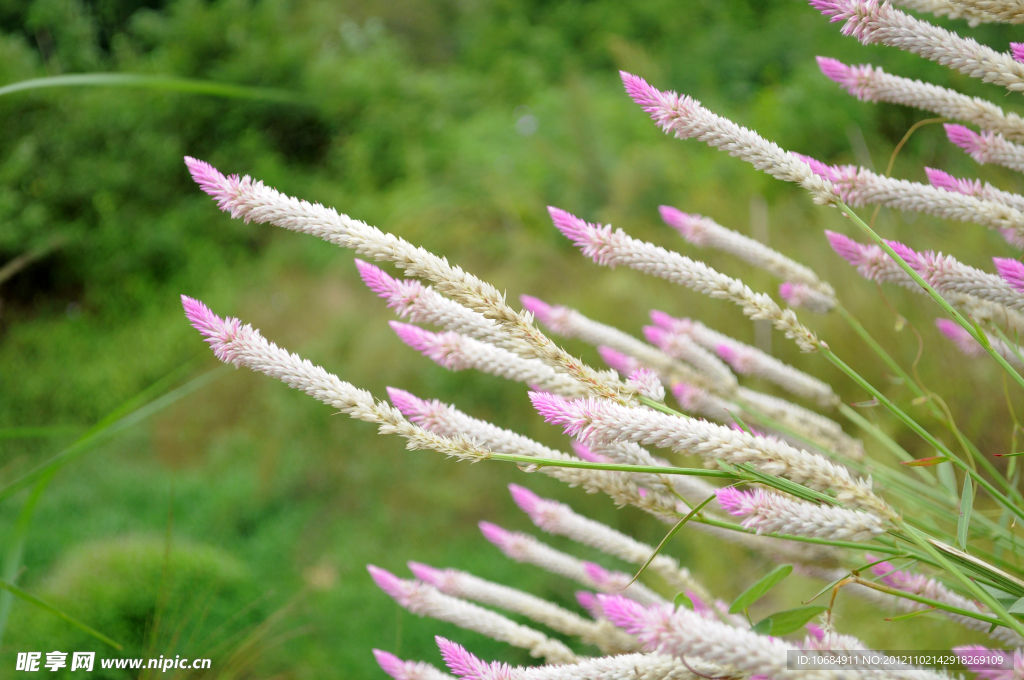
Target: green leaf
762	627
904	617
947	478
28	597
966	505
1000	595
924	462
1017	607
1008	455
759	589
156	82
682	601
672	532
785	622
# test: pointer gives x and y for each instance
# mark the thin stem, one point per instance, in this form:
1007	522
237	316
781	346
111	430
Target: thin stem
924	600
923	433
983	595
611	467
969	327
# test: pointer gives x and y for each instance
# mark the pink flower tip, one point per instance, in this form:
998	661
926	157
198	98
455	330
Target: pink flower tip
390	664
656	335
909	255
598	574
687	395
835	70
727	353
537	307
788	292
669	322
815	631
964	137
213	182
409	404
687	224
817	167
734	501
414	336
574	228
584	452
623	612
467	666
495	534
623	363
386	581
588	601
374	277
952	330
573	417
944	180
426	573
639	90
1017	50
528	501
845	247
1011	271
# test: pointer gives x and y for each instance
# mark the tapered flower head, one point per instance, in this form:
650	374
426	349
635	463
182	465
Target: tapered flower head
401	590
854	79
669	322
400	293
390	664
616	360
573	416
967	139
1017	50
467	666
944	180
690	226
220	333
955	332
427	574
211	180
586	453
1012	271
529	502
440	347
588	601
688	395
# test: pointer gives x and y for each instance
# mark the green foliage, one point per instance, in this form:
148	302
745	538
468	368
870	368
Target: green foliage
412	126
143	593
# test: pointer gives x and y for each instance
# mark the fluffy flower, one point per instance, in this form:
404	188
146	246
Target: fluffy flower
771	513
869	83
407	670
425	600
685	118
878	22
987	147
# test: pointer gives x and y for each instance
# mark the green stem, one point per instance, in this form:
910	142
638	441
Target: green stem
923	433
924	600
983	595
612	467
969	327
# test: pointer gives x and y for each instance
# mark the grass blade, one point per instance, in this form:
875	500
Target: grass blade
32	599
156	82
671	533
759	589
966	505
105	430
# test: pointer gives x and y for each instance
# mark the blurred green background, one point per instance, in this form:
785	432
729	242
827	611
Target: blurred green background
236	522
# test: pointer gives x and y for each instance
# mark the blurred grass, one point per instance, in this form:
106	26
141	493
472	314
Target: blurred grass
452	125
